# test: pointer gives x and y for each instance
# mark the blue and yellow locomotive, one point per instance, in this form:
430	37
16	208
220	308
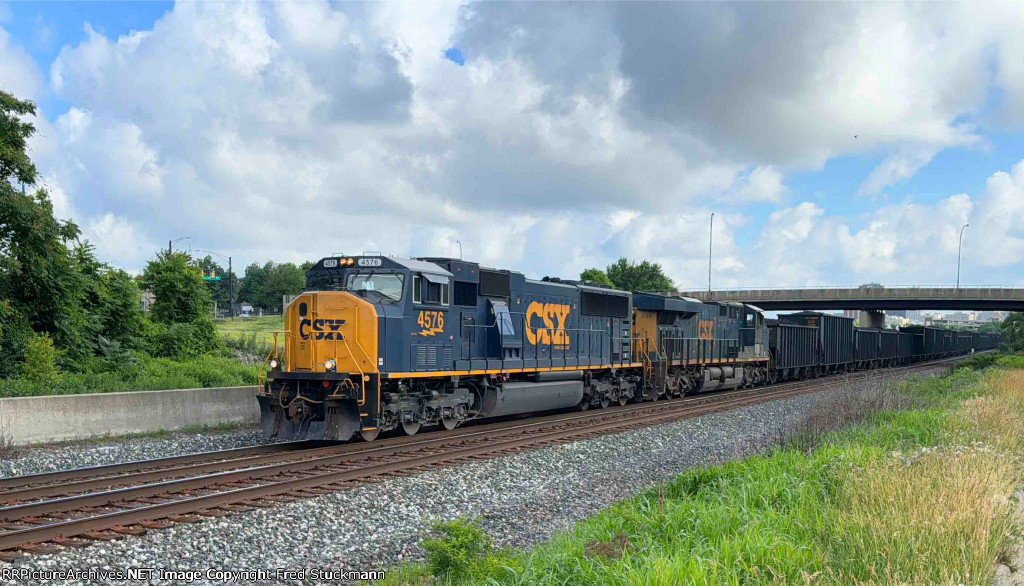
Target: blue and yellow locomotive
379	343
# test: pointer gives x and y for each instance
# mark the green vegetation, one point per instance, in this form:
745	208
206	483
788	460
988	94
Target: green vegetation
140	372
630	276
262	327
919	492
71	324
264	286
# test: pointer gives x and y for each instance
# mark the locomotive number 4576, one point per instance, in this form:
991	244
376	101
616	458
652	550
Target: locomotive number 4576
432	322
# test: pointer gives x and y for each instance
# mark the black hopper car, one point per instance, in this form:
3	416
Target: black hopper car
381	343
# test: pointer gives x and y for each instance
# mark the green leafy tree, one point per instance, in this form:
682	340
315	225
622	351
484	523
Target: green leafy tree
251	289
121	316
14	133
1013	329
307	265
643	276
178	286
42	287
282	279
597	277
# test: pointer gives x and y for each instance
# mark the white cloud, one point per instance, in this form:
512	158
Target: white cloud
573	134
761	184
18	72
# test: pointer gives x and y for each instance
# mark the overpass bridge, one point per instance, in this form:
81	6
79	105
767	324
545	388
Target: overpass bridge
872	300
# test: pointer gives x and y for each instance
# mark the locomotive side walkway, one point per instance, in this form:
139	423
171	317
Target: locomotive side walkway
53	418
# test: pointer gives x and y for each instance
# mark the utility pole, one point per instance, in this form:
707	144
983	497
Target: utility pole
959	247
711	235
460	248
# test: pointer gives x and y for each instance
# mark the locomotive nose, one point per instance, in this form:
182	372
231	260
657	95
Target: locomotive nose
331	331
327	386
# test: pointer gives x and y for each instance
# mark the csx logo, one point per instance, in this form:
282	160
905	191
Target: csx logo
322	329
706	330
553	316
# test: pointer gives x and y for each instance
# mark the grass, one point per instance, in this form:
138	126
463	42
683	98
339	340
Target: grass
917	492
144	374
262	327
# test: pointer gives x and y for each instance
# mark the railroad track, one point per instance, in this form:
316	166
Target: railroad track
82	506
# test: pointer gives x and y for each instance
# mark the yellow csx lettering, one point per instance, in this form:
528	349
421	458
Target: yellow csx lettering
706	330
322	329
554	316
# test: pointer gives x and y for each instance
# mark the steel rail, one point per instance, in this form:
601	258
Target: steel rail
44	529
123	467
219	461
211	462
72	527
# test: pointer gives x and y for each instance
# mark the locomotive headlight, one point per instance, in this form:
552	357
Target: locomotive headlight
329	365
274	364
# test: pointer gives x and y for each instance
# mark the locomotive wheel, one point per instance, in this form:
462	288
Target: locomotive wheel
605	402
584	404
411	427
450	423
654	396
623	399
369	435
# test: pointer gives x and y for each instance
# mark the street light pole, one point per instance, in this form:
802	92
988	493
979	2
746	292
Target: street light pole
711	235
170	243
959	247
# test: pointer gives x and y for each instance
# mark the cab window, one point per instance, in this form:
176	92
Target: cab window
436	290
387	285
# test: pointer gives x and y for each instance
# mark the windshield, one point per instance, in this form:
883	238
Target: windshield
390	286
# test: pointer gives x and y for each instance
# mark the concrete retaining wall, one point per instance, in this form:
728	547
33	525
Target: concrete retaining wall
29	420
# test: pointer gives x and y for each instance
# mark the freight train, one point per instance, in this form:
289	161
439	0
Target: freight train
380	343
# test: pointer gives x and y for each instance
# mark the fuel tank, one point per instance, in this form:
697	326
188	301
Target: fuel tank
526	397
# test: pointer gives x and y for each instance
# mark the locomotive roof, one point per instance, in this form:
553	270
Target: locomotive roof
419	266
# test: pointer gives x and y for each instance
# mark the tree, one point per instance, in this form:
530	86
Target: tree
265	285
41	285
282	279
637	277
14	133
596	277
178	286
252	283
1013	329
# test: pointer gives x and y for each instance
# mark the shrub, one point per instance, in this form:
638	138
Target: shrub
181	340
459	549
247	349
144	374
40	359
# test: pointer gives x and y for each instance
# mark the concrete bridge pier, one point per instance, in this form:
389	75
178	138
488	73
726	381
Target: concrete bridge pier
872	318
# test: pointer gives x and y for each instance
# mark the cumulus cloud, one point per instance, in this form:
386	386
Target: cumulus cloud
901	244
571	134
18	73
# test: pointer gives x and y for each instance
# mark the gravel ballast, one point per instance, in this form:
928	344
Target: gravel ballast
48	458
522	499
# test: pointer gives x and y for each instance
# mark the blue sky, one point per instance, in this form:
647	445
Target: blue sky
547	138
